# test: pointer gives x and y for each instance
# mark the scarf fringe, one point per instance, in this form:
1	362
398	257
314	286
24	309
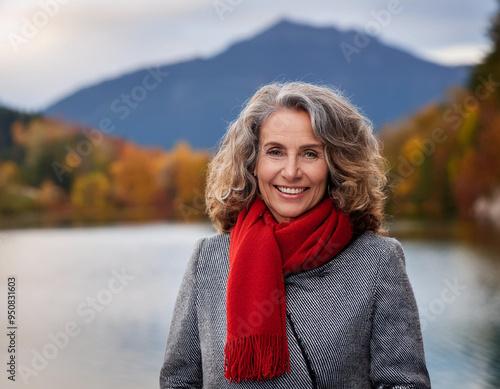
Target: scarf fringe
256	357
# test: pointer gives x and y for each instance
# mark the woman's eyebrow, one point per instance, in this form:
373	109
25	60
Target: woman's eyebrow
308	146
268	144
312	146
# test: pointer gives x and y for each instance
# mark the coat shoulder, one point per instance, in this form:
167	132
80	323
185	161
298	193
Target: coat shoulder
370	240
386	249
213	249
214	242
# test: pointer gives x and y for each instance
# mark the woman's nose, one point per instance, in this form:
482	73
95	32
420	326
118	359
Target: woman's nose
291	169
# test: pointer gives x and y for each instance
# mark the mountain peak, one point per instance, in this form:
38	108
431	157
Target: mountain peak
290	29
198	98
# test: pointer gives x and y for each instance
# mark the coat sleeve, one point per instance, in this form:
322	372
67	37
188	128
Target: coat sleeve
396	347
182	364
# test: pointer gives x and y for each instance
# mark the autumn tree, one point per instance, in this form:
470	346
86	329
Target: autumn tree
91	190
185	174
133	178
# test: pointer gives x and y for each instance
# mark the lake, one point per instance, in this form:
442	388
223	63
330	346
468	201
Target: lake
93	305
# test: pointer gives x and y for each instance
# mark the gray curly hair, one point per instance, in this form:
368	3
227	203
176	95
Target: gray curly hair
356	167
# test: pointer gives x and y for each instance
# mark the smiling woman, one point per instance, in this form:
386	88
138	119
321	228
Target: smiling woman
299	289
291	168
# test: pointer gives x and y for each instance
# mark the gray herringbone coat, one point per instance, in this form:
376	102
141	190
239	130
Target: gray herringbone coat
351	323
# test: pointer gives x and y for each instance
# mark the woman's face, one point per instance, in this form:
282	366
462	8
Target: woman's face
291	168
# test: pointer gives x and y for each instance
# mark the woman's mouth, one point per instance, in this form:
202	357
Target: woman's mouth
287	190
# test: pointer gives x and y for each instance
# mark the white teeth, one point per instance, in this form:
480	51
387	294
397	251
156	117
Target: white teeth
291	190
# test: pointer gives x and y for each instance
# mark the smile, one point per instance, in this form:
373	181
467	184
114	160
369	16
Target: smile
283	189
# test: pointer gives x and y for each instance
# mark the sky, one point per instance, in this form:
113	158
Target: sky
52	48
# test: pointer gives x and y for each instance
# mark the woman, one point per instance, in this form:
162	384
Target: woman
300	289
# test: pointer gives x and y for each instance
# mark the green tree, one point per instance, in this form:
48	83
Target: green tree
489	68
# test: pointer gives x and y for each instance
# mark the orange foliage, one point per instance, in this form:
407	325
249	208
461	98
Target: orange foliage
50	194
91	190
9	173
133	178
184	173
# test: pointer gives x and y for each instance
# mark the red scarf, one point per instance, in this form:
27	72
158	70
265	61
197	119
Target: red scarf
261	253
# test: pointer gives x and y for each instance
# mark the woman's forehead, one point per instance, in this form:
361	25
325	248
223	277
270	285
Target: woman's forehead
286	124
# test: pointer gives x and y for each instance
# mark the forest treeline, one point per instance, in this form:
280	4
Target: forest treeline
50	165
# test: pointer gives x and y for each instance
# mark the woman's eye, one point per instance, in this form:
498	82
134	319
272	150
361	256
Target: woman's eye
311	154
274	152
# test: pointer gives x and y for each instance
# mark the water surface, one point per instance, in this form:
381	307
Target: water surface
94	305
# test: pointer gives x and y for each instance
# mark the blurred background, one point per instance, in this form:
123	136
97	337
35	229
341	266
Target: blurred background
110	112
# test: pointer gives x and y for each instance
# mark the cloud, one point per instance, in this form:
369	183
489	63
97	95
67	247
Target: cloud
452	54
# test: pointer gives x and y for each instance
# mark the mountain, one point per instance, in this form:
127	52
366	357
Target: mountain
195	100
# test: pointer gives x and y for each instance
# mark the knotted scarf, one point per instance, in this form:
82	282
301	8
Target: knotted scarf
261	253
